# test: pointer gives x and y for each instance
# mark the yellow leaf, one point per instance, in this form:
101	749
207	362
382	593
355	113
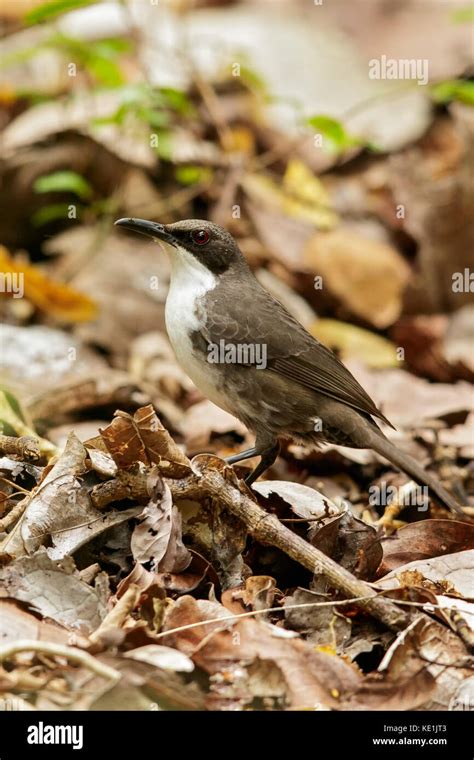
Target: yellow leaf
241	140
352	342
301	195
328	649
301	183
54	298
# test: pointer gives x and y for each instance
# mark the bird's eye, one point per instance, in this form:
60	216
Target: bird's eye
200	237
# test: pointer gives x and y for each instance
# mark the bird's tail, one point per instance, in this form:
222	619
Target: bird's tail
405	462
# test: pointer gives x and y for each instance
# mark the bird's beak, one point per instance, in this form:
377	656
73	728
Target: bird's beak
152	229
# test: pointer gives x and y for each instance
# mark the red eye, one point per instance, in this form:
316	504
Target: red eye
200	237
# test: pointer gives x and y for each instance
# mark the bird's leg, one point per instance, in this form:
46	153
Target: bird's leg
268	457
267	453
243	455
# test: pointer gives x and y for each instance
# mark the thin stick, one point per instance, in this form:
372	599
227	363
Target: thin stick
59	650
267	529
336	603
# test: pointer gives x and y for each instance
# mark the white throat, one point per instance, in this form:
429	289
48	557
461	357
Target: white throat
190	281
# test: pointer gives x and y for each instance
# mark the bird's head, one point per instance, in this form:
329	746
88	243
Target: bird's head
192	242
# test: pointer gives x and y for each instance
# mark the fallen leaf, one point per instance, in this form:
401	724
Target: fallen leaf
16	623
157	537
324	626
302	678
456	569
53	298
305	502
300	196
352	342
407	400
53	589
367	276
425	539
162	657
59	509
204	420
142	438
426	644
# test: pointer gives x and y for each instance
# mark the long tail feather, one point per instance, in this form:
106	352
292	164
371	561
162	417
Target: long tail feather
405	462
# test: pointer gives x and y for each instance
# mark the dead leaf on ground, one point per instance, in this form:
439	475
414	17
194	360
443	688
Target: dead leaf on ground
16	623
142	438
305	502
157	537
425	539
301	195
59	509
455	569
323	626
427	644
54	590
204	420
353	342
408	400
367	276
55	299
302	678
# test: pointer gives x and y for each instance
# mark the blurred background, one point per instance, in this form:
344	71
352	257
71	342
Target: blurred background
333	139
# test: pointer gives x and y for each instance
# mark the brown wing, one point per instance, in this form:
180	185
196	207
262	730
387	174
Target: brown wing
291	350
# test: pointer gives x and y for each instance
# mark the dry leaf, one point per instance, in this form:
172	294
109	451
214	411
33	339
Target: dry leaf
54	590
53	298
456	569
424	540
157	537
59	509
367	276
142	438
301	195
352	342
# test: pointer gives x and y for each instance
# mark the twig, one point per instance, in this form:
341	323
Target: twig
26	447
14	514
267	529
60	650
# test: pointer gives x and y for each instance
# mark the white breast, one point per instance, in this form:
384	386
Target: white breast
190	281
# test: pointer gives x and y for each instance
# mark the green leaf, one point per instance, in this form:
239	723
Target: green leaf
335	136
12	422
191	174
13	403
153	117
454	89
54	8
463	15
63	182
177	100
104	71
52	212
252	79
112	47
165	144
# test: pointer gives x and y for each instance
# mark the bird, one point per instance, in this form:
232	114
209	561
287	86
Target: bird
245	351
